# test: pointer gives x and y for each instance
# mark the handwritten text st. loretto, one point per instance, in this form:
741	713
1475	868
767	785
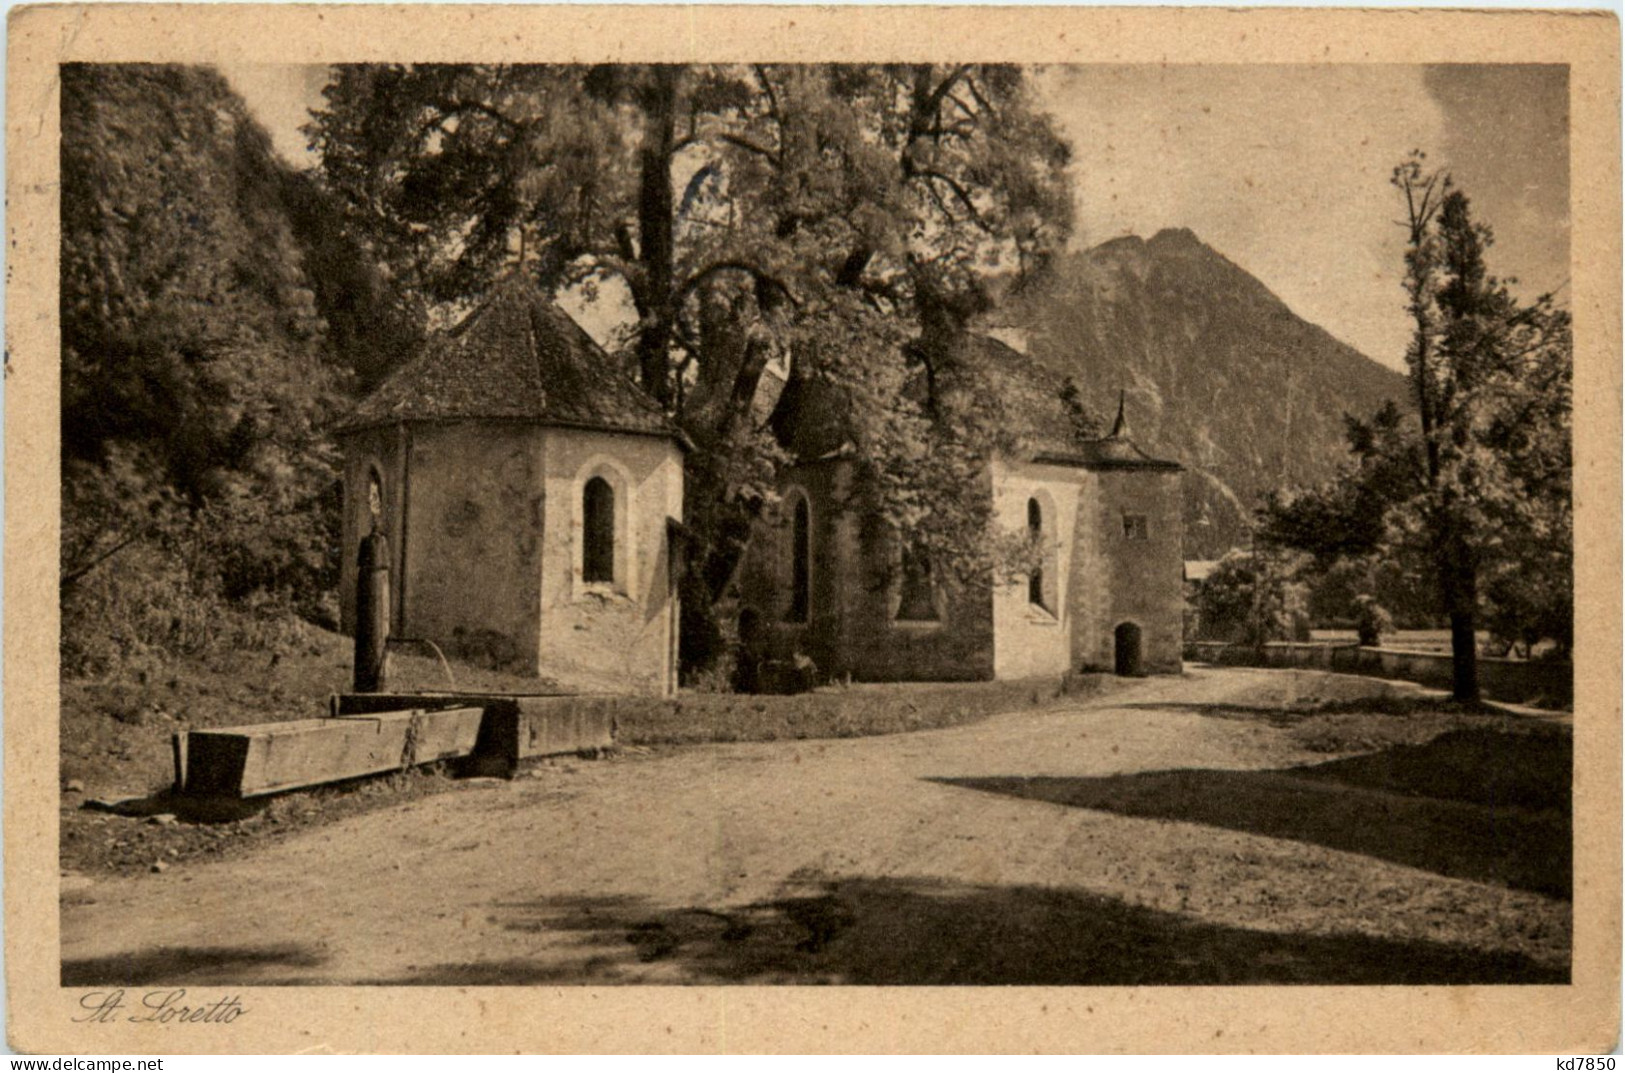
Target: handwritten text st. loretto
168	1006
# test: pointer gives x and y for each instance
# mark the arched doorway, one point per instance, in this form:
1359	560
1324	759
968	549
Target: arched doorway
1127	643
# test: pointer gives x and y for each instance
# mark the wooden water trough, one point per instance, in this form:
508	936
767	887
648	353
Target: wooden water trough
374	733
251	760
515	726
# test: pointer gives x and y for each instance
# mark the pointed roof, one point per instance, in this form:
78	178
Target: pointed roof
1112	451
813	417
1120	426
518	356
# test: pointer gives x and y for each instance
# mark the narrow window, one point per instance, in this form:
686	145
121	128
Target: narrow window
598	531
375	501
800	564
918	602
1035	532
1134	527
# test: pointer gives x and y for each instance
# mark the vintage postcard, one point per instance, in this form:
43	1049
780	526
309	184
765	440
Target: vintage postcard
567	528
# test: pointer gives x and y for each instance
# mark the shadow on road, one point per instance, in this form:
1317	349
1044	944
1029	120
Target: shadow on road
892	931
1288	712
1470	804
186	964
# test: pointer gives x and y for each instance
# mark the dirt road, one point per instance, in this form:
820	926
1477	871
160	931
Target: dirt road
1150	835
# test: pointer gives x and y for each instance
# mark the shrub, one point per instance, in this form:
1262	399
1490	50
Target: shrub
146	609
1248	599
1371	620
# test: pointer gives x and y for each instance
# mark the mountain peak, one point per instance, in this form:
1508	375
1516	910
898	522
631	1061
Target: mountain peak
1121	242
1175	237
1225	376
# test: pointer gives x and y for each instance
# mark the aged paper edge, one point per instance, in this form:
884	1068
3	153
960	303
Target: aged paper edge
1580	1017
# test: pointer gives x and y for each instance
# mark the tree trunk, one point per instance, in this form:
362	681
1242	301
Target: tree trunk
1463	656
656	228
1460	584
746	382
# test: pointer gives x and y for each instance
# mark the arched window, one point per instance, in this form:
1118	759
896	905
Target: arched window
800	562
375	500
1035	533
598	531
917	600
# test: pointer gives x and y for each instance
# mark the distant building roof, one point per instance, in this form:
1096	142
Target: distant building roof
1113	451
1106	454
1199	569
518	356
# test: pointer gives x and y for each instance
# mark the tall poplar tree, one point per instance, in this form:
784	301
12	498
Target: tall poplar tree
1475	488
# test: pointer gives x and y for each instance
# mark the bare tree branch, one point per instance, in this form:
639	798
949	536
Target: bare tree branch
749	269
981	100
455	106
947	85
735	140
73	576
959	192
772	97
631	273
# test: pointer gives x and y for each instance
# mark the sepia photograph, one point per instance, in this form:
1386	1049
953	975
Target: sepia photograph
919	522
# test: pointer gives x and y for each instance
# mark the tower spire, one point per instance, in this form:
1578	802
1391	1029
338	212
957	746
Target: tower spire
1120	426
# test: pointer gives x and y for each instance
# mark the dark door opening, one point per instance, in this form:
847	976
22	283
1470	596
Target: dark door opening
1127	640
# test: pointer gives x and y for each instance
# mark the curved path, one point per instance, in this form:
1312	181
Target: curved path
1036	847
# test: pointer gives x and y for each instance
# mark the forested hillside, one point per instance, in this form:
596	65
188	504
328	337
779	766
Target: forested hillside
212	321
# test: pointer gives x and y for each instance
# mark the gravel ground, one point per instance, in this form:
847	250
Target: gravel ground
1228	826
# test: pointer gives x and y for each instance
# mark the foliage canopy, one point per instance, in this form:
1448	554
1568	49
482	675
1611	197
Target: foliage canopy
833	226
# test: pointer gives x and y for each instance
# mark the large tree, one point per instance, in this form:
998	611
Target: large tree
1476	486
838	223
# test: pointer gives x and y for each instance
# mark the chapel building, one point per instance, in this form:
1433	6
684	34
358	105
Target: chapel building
529	493
826	579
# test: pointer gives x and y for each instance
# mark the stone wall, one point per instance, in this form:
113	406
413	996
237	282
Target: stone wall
1036	639
1130	578
851	627
1544	683
484	524
622	633
878	647
472	547
1094	578
765	576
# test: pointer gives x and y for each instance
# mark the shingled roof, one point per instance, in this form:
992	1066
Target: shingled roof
516	357
1020	397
